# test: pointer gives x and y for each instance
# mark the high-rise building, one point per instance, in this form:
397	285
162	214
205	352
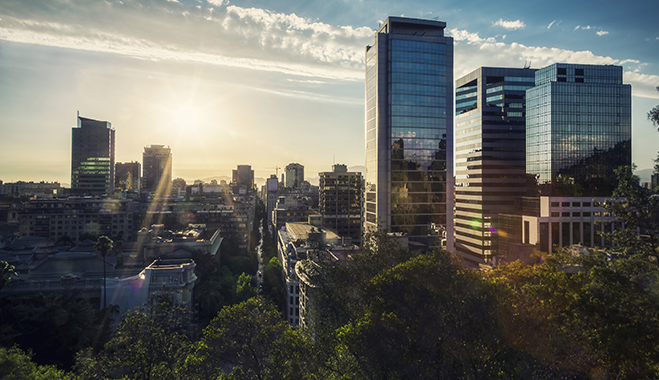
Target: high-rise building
128	176
243	177
578	129
340	201
92	157
490	158
157	169
271	196
294	176
409	130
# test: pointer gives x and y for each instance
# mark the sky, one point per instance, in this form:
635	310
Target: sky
267	83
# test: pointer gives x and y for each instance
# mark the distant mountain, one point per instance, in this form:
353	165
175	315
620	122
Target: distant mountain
644	174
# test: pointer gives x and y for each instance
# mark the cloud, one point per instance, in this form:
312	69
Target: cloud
472	51
550	24
233	36
602	32
517	24
218	3
582	27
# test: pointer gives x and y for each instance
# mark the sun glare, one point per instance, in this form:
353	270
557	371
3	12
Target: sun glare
185	115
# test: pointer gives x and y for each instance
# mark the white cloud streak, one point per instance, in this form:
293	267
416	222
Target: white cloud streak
550	24
472	51
517	24
263	40
602	33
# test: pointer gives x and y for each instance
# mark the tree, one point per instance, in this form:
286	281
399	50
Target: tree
16	364
251	341
179	182
55	326
653	114
6	271
148	344
103	246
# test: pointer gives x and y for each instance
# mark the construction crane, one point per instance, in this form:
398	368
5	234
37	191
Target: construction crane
276	169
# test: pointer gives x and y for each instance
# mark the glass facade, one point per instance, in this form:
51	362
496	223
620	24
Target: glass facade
408	129
92	157
578	129
490	166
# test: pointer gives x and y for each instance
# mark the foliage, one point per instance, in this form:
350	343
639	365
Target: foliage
653	114
148	344
244	288
6	271
179	182
250	341
54	326
18	365
103	245
639	210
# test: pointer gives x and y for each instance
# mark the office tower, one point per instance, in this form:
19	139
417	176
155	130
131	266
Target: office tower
92	157
128	176
490	146
272	194
340	201
578	129
243	177
409	130
157	169
294	176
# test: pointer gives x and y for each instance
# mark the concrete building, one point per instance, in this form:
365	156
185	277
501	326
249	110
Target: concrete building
490	154
56	218
157	169
341	201
290	209
294	244
81	270
128	176
30	189
271	197
294	175
92	157
409	130
243	178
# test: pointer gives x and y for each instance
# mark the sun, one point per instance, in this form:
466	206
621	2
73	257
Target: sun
184	116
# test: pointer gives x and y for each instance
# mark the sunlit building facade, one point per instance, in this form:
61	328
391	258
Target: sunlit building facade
409	135
128	176
490	152
92	157
157	169
294	175
578	129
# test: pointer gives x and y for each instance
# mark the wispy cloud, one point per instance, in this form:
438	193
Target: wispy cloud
550	24
602	32
587	27
231	35
517	24
472	51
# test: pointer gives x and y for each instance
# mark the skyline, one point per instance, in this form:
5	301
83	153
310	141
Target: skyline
261	83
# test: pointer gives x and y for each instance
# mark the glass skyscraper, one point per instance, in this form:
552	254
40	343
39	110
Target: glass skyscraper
578	129
409	130
92	157
490	151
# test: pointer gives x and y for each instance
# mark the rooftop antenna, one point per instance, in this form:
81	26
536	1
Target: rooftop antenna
436	18
527	64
